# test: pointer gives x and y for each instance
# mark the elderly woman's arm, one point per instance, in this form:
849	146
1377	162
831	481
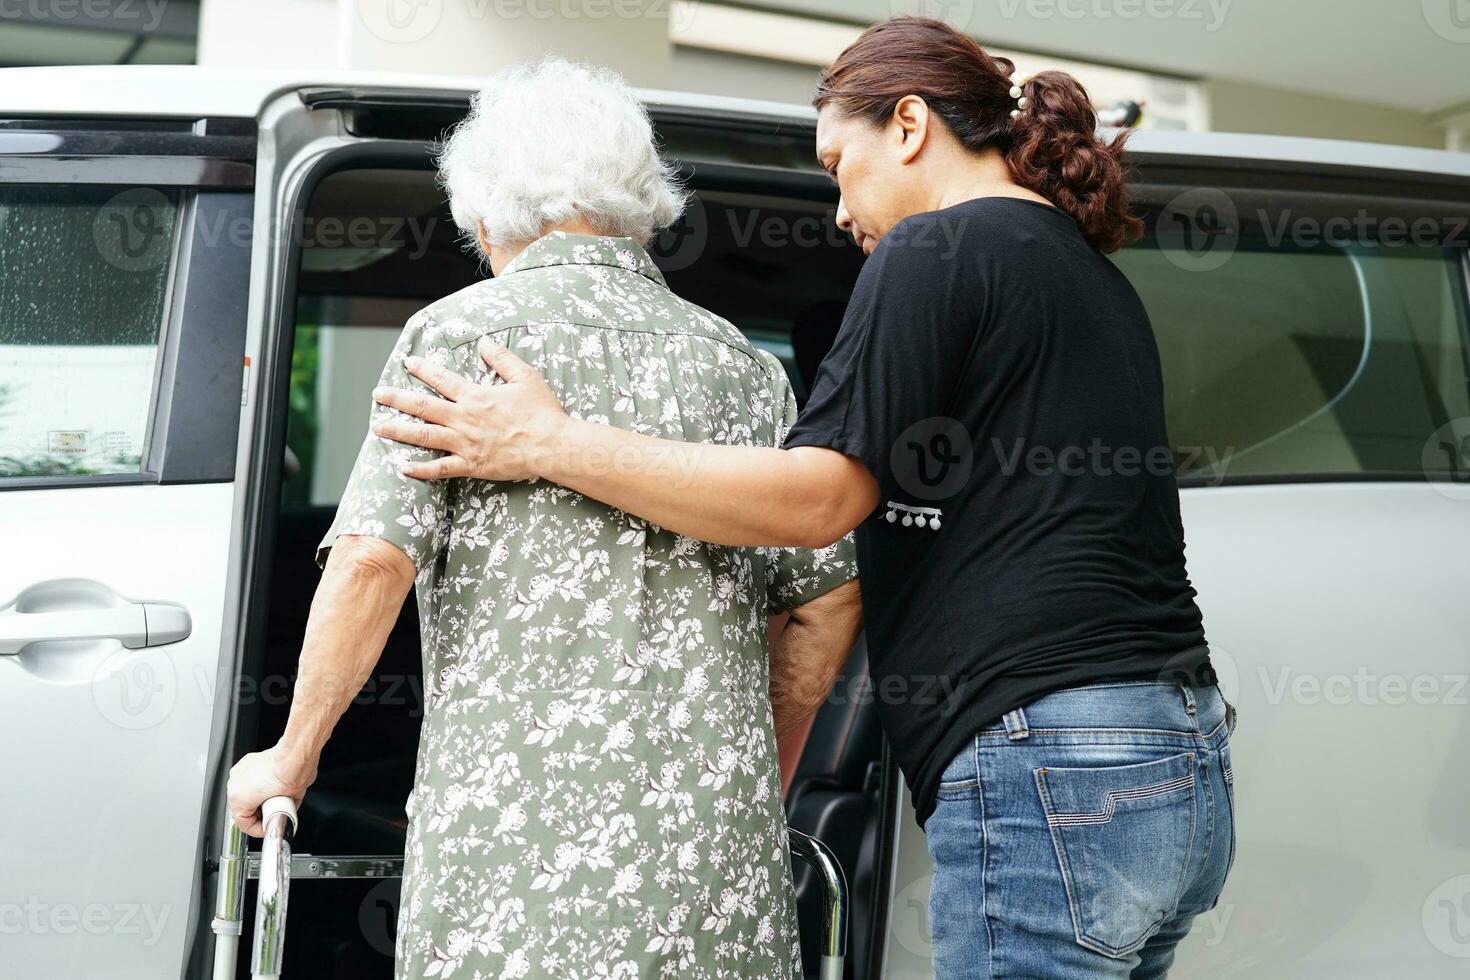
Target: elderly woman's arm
359	599
807	496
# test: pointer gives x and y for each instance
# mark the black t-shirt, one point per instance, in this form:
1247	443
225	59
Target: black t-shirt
999	378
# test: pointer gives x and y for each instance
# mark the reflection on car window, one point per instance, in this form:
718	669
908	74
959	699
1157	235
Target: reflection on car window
84	274
1306	362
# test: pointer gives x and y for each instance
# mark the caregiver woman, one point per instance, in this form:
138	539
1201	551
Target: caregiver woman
990	420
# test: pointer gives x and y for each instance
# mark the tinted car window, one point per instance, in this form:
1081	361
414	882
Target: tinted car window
1316	362
84	274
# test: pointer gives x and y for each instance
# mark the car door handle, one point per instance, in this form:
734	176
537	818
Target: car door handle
32	619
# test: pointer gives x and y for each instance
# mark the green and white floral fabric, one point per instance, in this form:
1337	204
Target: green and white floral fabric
597	791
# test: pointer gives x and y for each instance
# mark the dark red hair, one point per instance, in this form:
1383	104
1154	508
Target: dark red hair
1051	147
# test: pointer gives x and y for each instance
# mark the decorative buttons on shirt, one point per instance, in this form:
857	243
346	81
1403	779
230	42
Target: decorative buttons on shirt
922	516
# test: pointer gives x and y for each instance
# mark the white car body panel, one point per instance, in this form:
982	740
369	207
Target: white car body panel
99	869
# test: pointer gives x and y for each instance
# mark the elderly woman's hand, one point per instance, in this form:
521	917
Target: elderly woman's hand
492	432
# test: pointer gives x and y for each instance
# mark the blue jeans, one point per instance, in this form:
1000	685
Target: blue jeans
1080	835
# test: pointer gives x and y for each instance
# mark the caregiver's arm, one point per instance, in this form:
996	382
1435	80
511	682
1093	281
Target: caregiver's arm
734	495
806	496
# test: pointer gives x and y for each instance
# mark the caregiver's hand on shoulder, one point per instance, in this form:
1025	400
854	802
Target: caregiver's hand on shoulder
492	432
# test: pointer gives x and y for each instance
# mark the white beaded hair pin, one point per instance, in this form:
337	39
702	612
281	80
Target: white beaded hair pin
1018	81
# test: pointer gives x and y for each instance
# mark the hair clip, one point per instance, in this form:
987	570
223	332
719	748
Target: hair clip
1018	80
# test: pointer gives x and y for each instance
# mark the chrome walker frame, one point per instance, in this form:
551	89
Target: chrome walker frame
275	866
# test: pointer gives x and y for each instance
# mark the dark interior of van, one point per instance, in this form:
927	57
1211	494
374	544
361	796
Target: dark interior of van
769	261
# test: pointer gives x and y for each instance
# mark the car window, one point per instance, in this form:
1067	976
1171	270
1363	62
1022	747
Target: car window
84	275
1306	362
334	367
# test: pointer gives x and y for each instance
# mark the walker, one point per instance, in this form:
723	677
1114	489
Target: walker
275	866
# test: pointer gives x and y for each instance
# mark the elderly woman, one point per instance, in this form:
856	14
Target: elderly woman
597	791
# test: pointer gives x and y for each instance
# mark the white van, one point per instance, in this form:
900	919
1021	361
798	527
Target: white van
202	273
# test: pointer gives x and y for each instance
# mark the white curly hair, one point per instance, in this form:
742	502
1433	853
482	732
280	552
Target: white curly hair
551	142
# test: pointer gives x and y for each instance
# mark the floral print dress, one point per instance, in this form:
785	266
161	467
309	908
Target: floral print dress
597	792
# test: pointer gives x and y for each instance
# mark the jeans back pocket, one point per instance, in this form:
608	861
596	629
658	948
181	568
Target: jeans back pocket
1123	837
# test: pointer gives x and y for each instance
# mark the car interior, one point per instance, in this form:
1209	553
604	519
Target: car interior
378	243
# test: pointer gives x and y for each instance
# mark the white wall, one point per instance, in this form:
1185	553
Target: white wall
471	37
269	34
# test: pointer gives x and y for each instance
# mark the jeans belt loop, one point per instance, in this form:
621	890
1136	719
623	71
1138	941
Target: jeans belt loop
1015	722
1189	705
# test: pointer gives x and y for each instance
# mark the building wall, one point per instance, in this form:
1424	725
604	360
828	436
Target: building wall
721	73
728	49
1239	108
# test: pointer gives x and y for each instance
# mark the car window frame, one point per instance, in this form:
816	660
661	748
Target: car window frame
190	432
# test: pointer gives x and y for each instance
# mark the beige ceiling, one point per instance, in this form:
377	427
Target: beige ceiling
1409	54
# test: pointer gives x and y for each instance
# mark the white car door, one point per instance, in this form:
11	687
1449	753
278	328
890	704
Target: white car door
124	268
